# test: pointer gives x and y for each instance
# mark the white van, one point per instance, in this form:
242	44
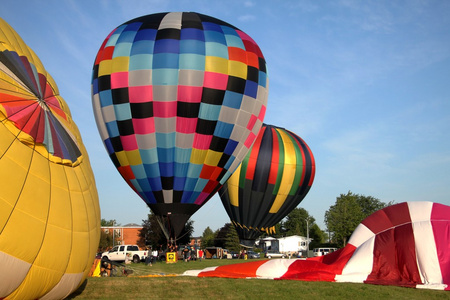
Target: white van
323	251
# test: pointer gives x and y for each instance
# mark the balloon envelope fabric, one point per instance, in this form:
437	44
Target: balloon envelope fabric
406	244
271	181
179	99
49	209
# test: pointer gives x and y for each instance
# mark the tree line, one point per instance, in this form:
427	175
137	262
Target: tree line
341	219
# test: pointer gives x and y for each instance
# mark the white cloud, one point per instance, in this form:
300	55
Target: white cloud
247	18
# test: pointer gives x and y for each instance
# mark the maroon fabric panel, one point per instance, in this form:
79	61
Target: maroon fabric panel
395	258
440	221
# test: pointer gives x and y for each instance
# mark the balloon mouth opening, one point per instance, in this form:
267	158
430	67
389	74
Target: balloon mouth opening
247	243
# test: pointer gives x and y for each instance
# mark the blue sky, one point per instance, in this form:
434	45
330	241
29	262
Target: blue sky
365	83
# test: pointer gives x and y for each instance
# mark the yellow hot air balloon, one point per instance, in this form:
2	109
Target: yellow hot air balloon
49	209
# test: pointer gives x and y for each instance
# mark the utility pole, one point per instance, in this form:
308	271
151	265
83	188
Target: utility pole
307	237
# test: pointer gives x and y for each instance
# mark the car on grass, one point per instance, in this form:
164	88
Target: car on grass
253	254
273	254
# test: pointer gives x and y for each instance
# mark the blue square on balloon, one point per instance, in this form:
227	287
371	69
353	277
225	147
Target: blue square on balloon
132	26
187	195
167	46
149	198
152	170
166	155
144	184
201	183
223	129
109	146
178	183
215	36
142	47
251	89
112	129
192	46
166	169
105	98
232	99
155	183
122	111
165	60
262	80
146	34
192	34
138	171
126	37
190	184
180	170
212	26
231	145
194	171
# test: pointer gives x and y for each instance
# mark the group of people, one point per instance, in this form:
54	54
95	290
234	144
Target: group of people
187	252
190	253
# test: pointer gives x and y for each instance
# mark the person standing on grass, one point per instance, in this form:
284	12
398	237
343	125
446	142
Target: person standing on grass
200	254
185	253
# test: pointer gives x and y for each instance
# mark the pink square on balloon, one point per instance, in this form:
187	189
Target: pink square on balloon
201	198
144	126
191	94
186	125
216	81
162	109
119	80
262	113
129	142
139	94
248	142
202	141
251	122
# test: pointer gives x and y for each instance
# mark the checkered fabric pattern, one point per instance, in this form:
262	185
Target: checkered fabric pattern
179	98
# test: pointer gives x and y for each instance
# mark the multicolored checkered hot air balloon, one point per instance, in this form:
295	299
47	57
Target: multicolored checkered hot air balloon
49	210
272	180
179	98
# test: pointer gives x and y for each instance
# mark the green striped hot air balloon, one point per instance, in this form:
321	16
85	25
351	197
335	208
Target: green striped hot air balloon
271	181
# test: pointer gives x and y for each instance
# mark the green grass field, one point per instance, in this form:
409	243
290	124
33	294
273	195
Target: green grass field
163	281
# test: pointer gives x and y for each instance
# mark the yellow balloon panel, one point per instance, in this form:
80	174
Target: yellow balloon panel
49	210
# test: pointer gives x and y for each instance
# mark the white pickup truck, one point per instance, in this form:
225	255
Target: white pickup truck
119	253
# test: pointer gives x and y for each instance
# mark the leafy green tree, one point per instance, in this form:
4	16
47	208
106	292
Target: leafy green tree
348	211
151	233
186	234
107	238
297	222
207	238
370	204
232	240
220	237
110	223
317	235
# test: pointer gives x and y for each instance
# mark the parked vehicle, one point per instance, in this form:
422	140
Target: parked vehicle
120	252
253	254
323	251
272	254
234	254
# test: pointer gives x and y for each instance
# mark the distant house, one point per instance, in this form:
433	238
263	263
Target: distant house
288	244
125	235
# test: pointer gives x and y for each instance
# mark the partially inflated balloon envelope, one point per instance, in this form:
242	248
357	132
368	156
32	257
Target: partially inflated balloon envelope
271	181
179	99
49	210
